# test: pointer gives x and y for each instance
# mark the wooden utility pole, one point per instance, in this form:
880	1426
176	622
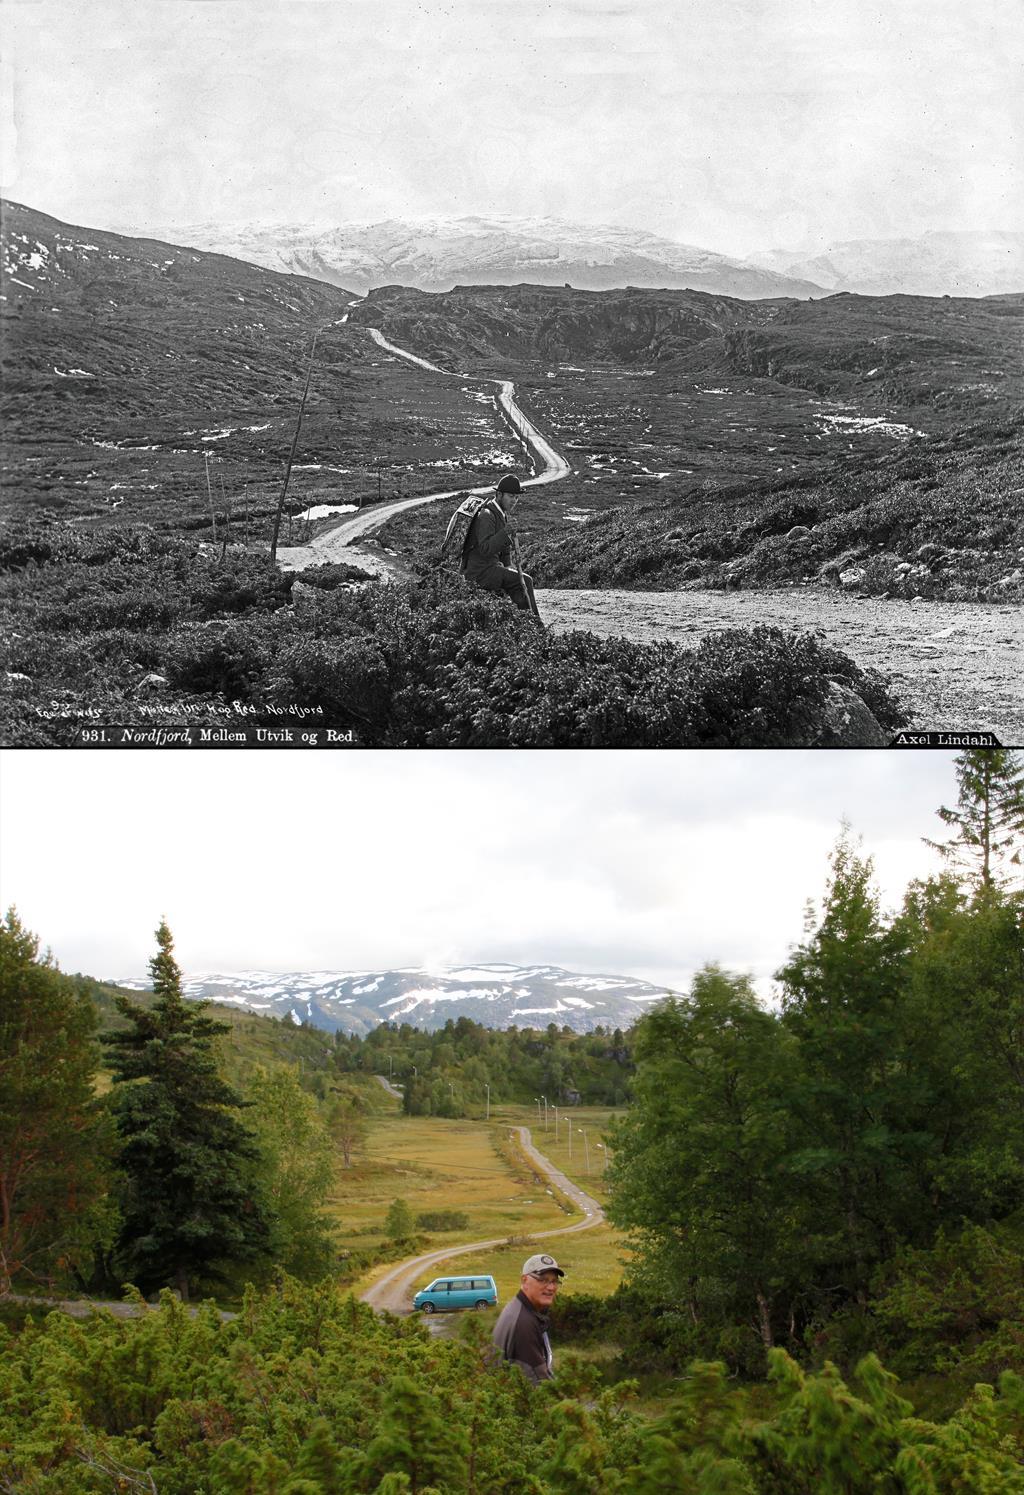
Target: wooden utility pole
291	455
209	494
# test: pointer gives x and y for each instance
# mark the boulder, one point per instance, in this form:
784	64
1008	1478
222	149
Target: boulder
152	681
853	577
798	532
929	552
847	721
303	592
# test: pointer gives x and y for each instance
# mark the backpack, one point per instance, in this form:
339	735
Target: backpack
460	525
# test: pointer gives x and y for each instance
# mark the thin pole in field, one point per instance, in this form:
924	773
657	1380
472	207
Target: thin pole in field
291	454
209	494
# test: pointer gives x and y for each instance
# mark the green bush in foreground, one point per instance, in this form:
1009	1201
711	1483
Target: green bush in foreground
307	1392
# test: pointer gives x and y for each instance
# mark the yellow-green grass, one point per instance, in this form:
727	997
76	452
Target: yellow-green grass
593	1259
438	1164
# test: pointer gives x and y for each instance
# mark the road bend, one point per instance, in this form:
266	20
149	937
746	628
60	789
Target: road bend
393	1291
340	542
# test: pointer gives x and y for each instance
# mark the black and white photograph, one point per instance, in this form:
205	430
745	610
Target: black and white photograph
671	1145
456	374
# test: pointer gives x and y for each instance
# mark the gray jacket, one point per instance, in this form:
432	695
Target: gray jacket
521	1334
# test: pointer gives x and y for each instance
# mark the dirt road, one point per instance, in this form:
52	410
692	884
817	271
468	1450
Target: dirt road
956	665
339	542
393	1291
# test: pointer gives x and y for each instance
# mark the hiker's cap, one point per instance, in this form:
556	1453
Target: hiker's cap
509	484
535	1265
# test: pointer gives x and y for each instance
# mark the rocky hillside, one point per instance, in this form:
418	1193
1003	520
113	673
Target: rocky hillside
943	519
439	253
936	264
496	995
133	368
128	328
901	351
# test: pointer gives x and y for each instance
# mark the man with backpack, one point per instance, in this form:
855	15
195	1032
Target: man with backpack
488	547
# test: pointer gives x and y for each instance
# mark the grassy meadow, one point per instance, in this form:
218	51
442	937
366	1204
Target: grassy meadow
469	1166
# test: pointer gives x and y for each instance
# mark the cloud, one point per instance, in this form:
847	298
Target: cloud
645	863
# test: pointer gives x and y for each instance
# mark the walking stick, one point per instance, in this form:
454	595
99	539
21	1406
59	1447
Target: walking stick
522	580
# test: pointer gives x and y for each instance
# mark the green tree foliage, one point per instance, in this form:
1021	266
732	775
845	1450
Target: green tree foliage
957	1307
55	1141
447	1072
347	1121
399	1221
775	1163
296	1169
987	825
697	1165
191	1207
858	1163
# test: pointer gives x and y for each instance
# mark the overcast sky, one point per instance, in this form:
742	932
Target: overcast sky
638	863
736	125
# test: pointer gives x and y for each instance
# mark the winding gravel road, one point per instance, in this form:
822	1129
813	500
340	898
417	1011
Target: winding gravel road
338	543
956	666
393	1291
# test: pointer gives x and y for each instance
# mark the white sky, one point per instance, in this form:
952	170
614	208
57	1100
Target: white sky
631	863
733	124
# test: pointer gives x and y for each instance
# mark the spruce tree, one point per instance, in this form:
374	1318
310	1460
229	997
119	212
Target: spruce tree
191	1209
988	823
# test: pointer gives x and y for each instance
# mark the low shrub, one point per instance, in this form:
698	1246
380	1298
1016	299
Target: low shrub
434	663
442	1220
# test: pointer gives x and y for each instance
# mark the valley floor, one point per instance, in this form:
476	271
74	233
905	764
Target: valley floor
955	665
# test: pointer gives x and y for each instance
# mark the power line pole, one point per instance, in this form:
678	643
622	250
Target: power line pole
291	454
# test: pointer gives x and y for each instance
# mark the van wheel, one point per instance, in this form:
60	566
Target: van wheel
480	1303
428	1308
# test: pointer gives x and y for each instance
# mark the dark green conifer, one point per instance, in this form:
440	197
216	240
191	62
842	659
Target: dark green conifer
190	1207
988	823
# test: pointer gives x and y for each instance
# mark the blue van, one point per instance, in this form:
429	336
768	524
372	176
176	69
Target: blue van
447	1293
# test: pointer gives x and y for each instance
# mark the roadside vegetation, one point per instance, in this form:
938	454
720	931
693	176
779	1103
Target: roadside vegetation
132	628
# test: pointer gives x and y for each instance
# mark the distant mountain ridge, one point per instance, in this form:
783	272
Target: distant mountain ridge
497	995
977	263
439	253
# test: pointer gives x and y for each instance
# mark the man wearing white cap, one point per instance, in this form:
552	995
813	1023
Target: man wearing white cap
521	1332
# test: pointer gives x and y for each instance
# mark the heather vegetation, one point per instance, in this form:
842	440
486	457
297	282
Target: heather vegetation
941	520
135	627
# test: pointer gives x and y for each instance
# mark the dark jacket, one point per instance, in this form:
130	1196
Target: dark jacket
488	546
521	1334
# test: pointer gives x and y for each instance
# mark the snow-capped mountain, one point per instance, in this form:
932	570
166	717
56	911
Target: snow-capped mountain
936	264
439	253
497	995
